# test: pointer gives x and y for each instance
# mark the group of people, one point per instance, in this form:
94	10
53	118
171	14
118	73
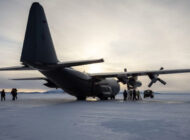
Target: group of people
13	93
131	94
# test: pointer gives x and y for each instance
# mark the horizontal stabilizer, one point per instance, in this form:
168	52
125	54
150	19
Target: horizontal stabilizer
33	78
16	68
49	83
77	63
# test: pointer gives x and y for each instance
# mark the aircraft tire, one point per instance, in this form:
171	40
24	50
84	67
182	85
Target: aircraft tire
81	98
103	98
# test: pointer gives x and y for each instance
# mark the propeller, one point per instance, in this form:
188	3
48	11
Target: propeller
154	78
123	79
130	81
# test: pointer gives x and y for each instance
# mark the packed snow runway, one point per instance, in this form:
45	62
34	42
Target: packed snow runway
61	117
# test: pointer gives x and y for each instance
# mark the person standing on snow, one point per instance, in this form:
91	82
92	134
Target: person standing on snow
3	95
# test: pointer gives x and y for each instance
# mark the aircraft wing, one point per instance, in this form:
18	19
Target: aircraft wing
130	78
138	73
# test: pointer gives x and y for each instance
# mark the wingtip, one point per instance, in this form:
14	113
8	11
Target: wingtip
102	60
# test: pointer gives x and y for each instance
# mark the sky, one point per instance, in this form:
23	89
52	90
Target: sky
133	34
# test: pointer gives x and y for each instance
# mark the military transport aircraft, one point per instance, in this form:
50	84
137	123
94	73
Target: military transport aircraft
38	54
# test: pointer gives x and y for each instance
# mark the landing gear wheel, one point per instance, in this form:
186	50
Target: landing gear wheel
103	98
81	98
112	97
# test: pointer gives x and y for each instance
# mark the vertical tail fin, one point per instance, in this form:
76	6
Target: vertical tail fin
38	46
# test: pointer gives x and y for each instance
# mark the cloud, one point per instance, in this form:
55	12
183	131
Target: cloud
139	35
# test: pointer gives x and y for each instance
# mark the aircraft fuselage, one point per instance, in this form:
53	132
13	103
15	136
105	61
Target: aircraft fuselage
81	84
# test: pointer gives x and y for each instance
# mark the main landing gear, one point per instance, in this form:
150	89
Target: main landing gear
81	98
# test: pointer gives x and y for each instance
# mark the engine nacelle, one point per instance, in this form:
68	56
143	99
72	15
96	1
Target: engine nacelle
133	82
137	84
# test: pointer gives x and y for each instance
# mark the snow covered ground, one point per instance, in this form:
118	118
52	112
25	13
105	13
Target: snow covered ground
61	117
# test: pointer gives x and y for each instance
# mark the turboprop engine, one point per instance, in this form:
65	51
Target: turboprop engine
133	82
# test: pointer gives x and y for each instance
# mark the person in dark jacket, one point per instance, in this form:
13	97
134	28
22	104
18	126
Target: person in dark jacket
3	95
124	95
14	94
138	96
134	95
